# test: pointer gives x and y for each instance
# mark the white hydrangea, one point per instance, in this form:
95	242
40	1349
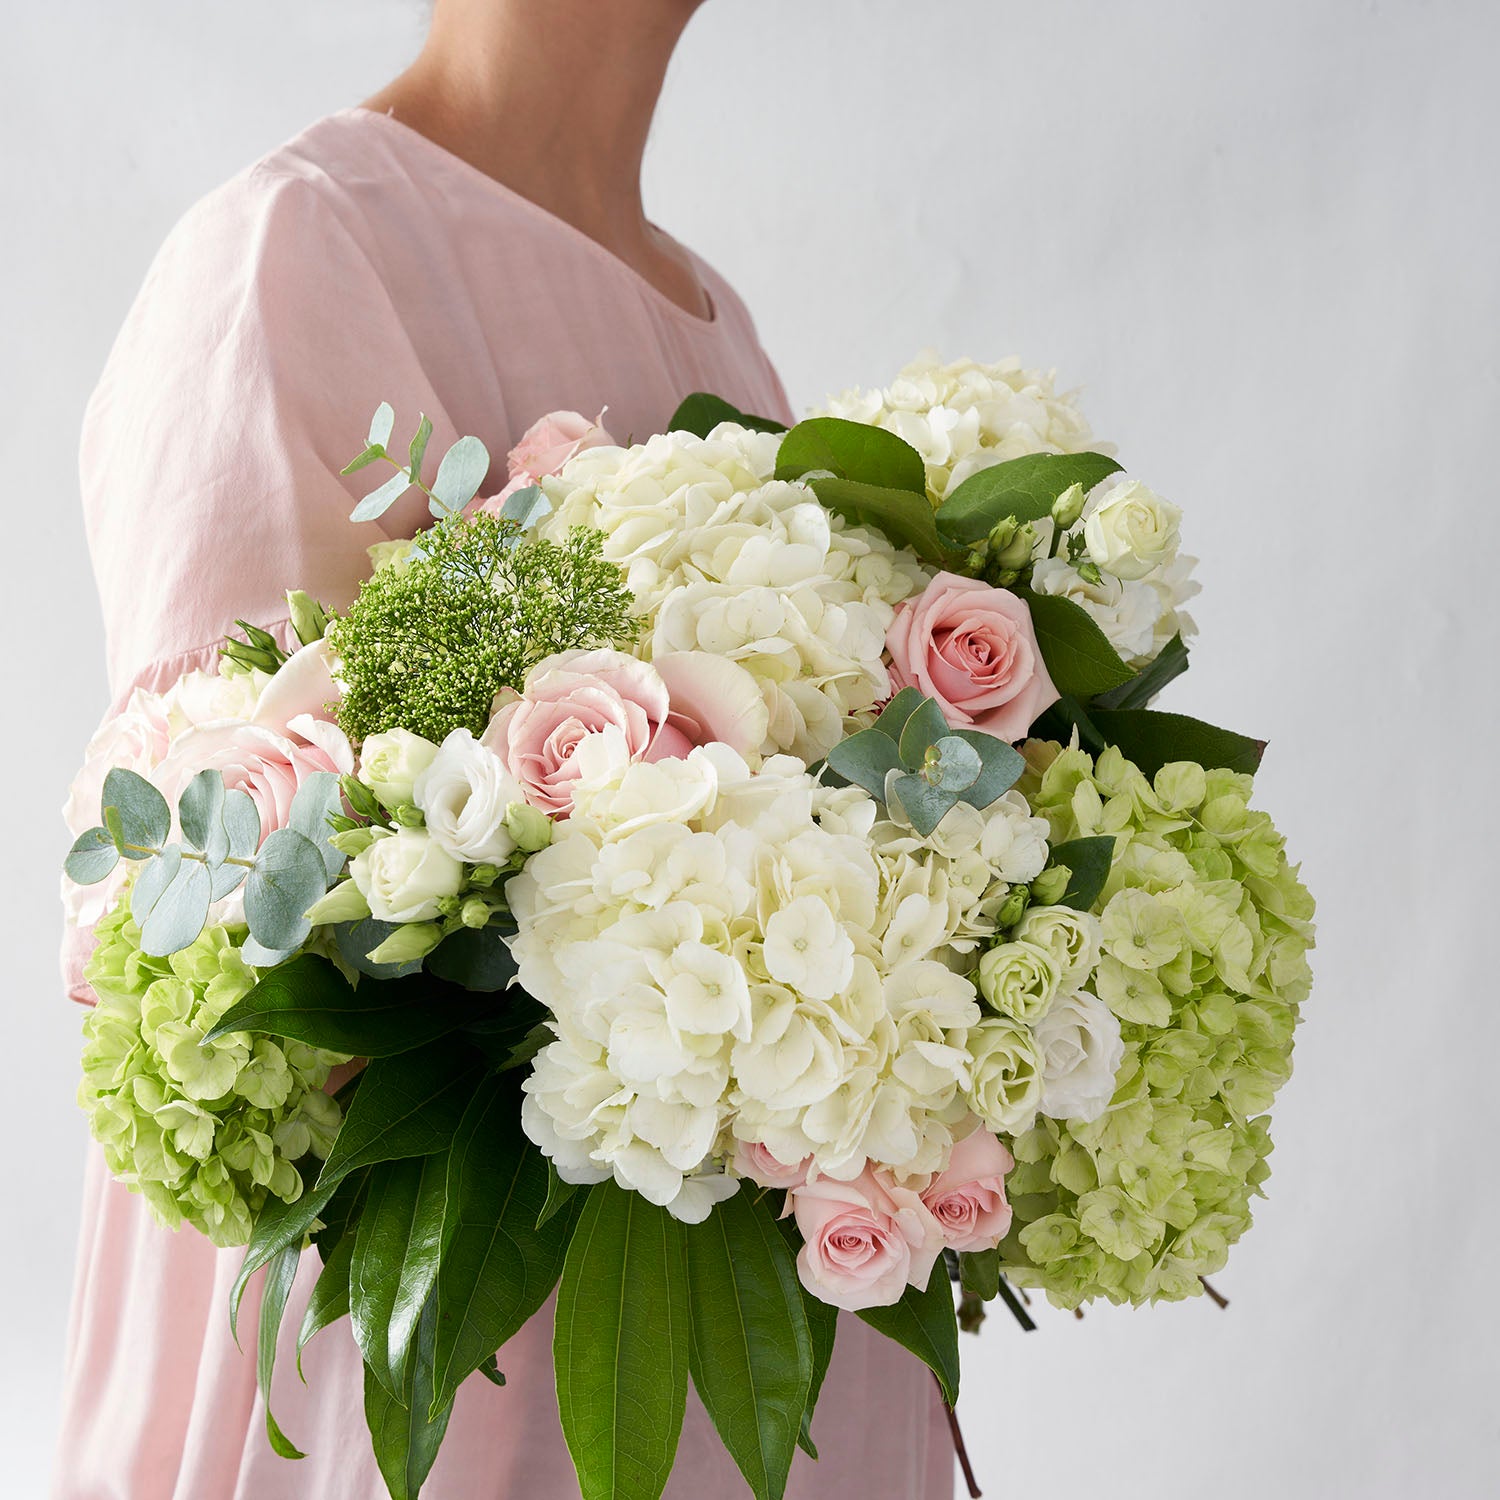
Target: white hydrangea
965	416
748	957
723	558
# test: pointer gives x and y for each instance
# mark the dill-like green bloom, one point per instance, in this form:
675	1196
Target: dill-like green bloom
426	646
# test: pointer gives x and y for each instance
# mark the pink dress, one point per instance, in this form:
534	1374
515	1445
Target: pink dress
362	263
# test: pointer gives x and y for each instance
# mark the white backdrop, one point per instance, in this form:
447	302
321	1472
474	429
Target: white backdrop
1263	238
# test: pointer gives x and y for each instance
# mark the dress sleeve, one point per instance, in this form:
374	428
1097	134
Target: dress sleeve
240	385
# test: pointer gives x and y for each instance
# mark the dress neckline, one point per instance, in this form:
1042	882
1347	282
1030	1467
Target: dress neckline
459	167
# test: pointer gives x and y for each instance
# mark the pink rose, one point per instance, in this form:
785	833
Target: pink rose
653	710
545	447
865	1241
268	765
973	649
755	1161
302	685
968	1200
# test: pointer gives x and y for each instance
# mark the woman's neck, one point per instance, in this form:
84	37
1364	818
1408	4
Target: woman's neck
556	102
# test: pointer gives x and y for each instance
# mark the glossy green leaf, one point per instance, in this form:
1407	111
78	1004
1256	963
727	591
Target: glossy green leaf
404	1438
851	450
822	1326
620	1345
751	1353
398	1243
1021	487
500	1264
558	1195
903	517
1170	663
278	1226
92	857
308	1000
1088	861
701	412
924	1322
1079	657
979	1273
289	875
329	1300
139	812
1152	740
476	958
405	1106
280	1275
358	940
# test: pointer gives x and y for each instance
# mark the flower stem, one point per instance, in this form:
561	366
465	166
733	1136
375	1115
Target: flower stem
958	1445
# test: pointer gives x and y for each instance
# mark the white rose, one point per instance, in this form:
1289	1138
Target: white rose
464	794
1071	937
390	762
403	875
1019	979
1129	530
1006	1086
1127	613
1079	1040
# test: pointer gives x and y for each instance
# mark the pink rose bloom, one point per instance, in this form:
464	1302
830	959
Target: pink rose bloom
545	447
971	647
865	1241
654	711
302	685
968	1200
755	1162
268	765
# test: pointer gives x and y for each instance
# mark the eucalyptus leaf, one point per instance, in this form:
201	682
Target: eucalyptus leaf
925	805
200	809
92	858
156	874
1024	488
258	956
526	506
751	1353
865	758
318	799
1001	767
903	517
382	425
178	914
417	450
241	823
459	475
364	459
924	727
959	764
380	500
894	715
289	875
134	808
851	450
621	1345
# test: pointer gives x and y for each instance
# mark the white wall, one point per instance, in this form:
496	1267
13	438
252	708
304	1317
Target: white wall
1263	236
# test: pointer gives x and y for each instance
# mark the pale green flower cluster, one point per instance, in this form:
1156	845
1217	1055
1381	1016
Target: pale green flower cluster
206	1131
1205	929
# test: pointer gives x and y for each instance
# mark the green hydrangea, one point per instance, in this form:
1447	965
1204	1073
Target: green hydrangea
1205	931
206	1131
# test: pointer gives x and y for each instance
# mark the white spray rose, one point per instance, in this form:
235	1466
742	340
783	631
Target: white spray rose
1071	937
1007	1075
1079	1040
465	794
1019	979
1129	530
1127	613
404	874
390	762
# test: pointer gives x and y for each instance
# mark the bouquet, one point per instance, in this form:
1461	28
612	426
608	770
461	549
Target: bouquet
727	880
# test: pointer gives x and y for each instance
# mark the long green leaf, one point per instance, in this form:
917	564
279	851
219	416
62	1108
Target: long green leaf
330	1296
405	1106
308	1000
822	1325
701	412
1153	740
405	1439
500	1263
752	1353
851	450
279	1226
924	1322
397	1247
280	1275
1021	487
1169	663
1079	657
620	1345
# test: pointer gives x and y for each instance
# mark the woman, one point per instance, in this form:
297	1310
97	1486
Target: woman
471	244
